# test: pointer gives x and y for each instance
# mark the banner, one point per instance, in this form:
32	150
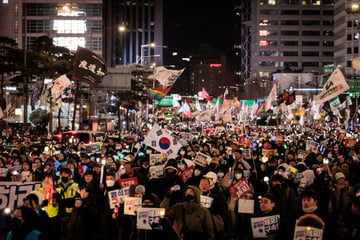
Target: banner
271	98
116	197
261	226
88	67
131	204
305	233
202	159
161	141
12	194
127	182
334	86
206	201
149	218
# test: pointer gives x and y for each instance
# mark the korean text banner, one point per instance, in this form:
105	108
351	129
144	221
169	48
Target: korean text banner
88	67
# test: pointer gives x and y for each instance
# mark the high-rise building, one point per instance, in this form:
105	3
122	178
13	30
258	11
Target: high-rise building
347	34
140	38
121	32
69	24
295	34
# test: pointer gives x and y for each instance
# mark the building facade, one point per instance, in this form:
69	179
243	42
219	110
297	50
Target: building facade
295	34
141	37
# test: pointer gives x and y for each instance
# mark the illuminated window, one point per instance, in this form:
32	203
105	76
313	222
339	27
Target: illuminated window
263	43
272	2
311	2
16	23
5	1
356	36
264	33
16	9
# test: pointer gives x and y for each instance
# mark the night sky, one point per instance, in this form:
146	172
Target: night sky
189	23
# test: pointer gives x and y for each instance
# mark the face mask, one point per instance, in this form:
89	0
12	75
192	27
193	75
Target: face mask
110	183
189	198
72	171
238	176
220	174
64	179
182	153
197	172
145	166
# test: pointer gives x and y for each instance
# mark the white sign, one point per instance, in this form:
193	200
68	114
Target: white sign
149	218
261	226
131	204
156	171
116	197
206	201
305	233
155	159
202	159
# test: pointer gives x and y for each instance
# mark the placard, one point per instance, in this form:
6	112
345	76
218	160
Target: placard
247	153
206	201
116	197
149	218
155	159
261	226
156	171
187	173
131	204
186	136
127	182
307	233
239	188
312	146
202	159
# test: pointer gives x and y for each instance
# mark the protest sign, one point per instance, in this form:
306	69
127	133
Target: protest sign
269	153
12	194
155	159
202	159
156	171
187	173
149	218
245	141
261	226
127	182
131	204
306	233
247	153
116	197
206	201
312	146
239	188
186	136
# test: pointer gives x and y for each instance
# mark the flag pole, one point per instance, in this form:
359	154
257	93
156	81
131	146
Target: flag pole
75	102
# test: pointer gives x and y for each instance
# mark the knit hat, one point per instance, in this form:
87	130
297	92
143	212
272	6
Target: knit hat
269	196
339	175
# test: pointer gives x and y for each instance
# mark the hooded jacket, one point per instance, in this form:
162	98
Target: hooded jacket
191	217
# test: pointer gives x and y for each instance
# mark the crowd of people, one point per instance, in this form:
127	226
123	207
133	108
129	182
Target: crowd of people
308	176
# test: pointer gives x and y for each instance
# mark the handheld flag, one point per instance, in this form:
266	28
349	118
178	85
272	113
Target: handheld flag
204	94
166	77
157	93
334	86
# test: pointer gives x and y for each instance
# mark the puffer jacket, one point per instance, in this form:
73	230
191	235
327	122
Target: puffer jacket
191	218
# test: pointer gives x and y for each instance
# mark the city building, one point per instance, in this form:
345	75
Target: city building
133	32
295	34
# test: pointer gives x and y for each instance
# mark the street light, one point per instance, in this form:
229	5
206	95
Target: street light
151	45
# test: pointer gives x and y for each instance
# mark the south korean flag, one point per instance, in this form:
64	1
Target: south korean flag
161	141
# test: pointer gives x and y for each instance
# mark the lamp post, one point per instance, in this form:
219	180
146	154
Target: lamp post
149	45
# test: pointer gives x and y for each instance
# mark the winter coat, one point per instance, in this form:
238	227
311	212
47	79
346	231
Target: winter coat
191	219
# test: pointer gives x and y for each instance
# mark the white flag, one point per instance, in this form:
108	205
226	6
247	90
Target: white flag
165	76
271	98
334	86
161	141
59	85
